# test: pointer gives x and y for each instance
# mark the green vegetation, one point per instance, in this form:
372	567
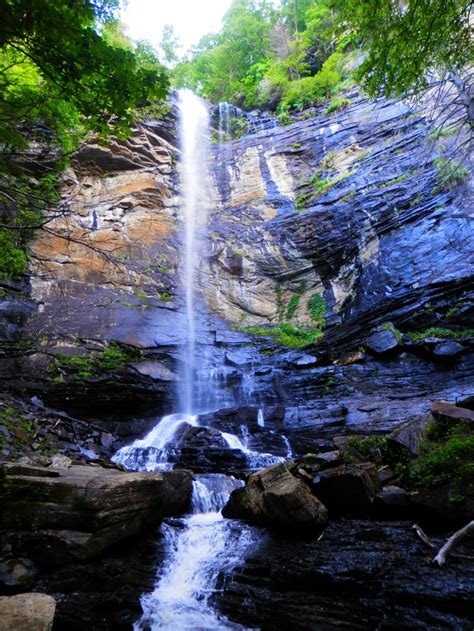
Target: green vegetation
395	457
403	45
293	304
388	326
165	296
337	104
435	331
317	307
450	172
287	334
449	461
66	70
93	364
21	429
443	132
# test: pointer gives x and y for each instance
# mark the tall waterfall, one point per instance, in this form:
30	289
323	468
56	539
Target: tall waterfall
194	127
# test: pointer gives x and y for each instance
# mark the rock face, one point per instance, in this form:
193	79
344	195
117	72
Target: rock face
58	515
347	490
276	498
359	575
27	612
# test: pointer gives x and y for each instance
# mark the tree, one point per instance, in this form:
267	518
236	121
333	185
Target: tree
170	44
65	70
407	41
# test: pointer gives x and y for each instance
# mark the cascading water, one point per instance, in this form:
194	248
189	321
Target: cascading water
203	545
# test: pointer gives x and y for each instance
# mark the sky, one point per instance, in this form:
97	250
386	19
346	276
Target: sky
191	19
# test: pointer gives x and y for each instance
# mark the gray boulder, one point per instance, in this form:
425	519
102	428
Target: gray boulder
275	498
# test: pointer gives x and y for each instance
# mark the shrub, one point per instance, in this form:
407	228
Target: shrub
292	306
317	307
452	461
337	104
81	367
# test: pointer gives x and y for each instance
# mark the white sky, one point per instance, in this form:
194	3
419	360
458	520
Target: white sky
191	19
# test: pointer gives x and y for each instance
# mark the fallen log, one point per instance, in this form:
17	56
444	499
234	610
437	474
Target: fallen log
452	542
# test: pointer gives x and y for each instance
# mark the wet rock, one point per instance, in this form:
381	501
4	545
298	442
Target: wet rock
360	575
393	502
448	349
347	490
409	435
27	612
382	342
107	440
449	502
59	461
275	498
76	513
17	575
443	411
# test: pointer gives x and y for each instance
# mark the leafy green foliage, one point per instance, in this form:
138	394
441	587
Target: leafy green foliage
293	304
337	104
317	307
66	69
436	331
450	461
404	41
93	364
287	335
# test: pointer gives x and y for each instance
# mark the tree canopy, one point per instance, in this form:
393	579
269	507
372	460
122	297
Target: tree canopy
267	56
65	69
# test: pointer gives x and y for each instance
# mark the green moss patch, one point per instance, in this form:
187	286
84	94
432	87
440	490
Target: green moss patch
93	364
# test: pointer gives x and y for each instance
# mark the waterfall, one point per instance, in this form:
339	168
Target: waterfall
200	547
194	128
197	552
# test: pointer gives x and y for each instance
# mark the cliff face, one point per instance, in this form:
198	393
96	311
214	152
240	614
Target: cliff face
347	207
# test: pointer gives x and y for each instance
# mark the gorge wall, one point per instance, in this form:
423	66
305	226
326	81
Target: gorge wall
344	206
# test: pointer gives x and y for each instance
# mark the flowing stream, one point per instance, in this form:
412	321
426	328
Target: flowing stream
202	546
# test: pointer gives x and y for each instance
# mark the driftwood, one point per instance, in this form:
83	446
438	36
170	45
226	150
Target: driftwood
453	541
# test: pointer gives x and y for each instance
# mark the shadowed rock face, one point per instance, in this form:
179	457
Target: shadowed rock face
359	575
61	515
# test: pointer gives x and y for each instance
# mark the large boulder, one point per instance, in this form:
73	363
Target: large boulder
54	516
27	612
347	489
382	342
444	411
274	497
410	435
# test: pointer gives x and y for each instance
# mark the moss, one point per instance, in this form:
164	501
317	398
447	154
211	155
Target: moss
443	132
141	294
434	331
83	367
21	429
164	296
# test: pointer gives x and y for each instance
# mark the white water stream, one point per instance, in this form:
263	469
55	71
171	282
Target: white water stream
203	545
